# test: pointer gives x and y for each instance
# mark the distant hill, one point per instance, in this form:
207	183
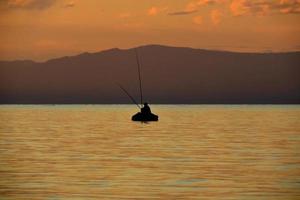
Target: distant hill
170	75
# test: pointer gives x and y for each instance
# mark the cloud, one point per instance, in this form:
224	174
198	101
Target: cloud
198	20
30	4
216	16
190	8
254	7
152	11
69	4
182	12
238	7
264	7
210	2
289	6
193	7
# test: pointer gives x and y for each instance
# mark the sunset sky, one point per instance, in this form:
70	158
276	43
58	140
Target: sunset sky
44	29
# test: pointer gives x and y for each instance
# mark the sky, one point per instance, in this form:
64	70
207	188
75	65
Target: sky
44	29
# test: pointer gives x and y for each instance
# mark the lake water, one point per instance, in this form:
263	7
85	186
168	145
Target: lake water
193	152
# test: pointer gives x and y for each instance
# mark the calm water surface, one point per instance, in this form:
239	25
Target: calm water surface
193	152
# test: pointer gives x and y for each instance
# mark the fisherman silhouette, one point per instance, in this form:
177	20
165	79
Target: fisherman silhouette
146	109
145	115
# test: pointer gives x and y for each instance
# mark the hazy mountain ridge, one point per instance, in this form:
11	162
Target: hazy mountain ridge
170	75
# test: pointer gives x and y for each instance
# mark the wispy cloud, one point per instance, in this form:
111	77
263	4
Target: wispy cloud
289	6
182	12
210	2
69	4
190	8
238	7
194	6
30	4
154	10
244	7
255	7
264	7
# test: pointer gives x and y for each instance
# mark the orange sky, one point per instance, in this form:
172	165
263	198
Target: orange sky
43	29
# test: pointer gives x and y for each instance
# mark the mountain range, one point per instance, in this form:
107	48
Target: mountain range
170	75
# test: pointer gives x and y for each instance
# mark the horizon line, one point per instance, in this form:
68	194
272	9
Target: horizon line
148	45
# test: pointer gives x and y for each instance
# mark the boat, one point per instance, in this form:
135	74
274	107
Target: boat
145	115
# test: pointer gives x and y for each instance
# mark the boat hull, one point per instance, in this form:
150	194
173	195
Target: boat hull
144	117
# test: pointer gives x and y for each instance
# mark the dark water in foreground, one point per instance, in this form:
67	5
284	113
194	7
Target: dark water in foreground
193	152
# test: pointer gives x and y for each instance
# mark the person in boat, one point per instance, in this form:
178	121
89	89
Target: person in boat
145	115
146	109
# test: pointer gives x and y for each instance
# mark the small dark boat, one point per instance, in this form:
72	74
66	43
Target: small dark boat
144	117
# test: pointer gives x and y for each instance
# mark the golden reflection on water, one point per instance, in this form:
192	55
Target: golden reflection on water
193	152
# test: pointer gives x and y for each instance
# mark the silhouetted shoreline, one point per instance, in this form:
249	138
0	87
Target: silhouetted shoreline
172	75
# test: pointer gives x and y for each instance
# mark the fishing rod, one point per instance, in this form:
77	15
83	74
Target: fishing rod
139	71
132	99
